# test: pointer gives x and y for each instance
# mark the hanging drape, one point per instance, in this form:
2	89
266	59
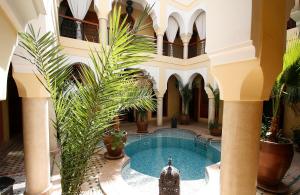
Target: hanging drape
79	9
201	25
171	33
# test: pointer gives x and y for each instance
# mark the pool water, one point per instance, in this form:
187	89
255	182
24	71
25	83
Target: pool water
149	154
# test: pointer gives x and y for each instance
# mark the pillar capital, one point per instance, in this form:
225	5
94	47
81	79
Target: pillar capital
29	85
186	37
159	31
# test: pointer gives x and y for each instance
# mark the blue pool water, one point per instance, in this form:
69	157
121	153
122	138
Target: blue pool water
149	154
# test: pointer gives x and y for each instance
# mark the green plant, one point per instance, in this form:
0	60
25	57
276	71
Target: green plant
286	88
186	94
213	125
216	94
118	137
142	115
85	109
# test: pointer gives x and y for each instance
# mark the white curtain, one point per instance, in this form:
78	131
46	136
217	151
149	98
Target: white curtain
201	25
171	32
79	9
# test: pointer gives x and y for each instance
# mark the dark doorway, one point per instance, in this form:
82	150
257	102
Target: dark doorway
14	107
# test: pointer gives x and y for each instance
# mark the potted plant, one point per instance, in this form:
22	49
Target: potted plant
84	110
114	141
142	121
276	152
214	127
186	95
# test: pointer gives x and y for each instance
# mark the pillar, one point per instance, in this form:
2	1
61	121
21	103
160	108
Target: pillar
240	146
159	111
185	40
36	145
160	42
103	31
211	109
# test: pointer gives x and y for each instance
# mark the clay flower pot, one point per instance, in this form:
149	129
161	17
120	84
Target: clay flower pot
184	119
274	161
215	131
114	152
142	126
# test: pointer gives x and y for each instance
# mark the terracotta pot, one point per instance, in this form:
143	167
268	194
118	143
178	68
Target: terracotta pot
274	161
215	131
108	140
184	119
142	126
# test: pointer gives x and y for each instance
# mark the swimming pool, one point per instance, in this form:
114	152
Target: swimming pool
149	154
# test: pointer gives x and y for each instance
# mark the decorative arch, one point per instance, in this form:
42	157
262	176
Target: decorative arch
193	18
153	14
179	20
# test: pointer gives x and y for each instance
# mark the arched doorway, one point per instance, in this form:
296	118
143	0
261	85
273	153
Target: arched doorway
68	23
172	99
11	113
199	103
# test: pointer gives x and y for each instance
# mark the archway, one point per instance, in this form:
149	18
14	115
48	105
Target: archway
197	26
199	103
135	8
11	113
88	24
172	43
172	99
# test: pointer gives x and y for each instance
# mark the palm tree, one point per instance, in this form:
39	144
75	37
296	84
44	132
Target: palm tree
85	109
286	87
216	94
187	95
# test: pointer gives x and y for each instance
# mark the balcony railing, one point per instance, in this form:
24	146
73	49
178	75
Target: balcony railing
68	26
197	48
173	49
176	50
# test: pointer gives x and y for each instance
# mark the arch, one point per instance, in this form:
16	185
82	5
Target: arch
199	103
172	101
192	78
177	76
179	20
193	18
153	13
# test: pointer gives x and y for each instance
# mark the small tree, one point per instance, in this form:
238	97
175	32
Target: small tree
85	109
286	87
216	93
186	95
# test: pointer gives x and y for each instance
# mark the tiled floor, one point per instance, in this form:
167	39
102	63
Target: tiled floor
12	164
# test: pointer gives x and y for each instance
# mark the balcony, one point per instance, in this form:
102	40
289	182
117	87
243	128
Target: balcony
68	28
176	49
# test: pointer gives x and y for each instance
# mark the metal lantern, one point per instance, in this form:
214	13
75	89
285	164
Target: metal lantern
169	181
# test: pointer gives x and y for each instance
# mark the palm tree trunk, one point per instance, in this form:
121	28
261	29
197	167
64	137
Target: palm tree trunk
274	129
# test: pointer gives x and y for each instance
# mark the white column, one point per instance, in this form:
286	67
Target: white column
159	111
160	39
211	109
103	30
240	146
185	40
36	145
185	50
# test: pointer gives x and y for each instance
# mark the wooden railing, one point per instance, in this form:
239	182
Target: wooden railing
177	49
195	49
68	27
